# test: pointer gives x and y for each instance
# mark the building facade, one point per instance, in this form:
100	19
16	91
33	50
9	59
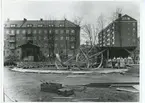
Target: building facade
120	33
119	37
51	36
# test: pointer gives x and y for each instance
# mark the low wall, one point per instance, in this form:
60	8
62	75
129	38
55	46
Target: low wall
34	64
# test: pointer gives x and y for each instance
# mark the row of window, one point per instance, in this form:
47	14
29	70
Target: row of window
125	18
29	31
72	46
62	46
41	38
39	25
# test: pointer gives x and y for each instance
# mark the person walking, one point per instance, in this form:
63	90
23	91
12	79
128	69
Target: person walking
113	62
118	62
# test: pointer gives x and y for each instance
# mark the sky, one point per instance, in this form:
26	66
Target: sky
88	10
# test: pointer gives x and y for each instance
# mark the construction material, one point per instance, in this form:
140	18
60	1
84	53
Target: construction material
50	87
65	91
128	89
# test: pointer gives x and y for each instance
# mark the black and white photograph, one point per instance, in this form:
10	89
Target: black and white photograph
71	51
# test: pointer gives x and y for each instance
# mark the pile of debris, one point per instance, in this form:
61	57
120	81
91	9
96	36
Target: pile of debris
56	88
26	65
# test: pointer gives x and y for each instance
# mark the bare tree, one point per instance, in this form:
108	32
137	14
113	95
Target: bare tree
91	31
101	23
115	14
78	20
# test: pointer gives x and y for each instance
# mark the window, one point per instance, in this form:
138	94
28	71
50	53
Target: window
72	38
29	31
12	31
108	30
7	31
29	25
72	47
108	43
56	38
128	18
24	38
18	32
46	45
62	31
112	27
40	25
50	31
113	42
61	38
7	52
133	24
72	31
113	37
34	38
67	38
113	32
134	29
134	40
12	38
56	31
39	37
108	39
23	31
55	45
45	38
39	31
30	38
128	33
61	45
45	31
61	25
13	25
34	31
67	31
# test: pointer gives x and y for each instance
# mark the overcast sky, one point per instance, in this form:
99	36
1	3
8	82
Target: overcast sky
18	9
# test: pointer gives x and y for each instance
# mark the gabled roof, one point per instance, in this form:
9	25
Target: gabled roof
28	44
35	23
131	19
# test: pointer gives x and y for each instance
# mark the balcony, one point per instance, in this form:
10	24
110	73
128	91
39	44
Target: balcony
12	47
12	41
12	34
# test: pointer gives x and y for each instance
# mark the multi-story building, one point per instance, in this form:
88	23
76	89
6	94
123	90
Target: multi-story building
51	36
121	33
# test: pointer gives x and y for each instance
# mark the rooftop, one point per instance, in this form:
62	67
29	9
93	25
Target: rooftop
39	23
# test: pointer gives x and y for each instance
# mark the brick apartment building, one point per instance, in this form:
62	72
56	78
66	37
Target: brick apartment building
119	36
23	38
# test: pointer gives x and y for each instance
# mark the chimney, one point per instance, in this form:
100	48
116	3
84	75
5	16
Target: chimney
119	15
41	19
25	19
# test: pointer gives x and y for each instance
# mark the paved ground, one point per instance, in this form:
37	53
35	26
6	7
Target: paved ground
26	86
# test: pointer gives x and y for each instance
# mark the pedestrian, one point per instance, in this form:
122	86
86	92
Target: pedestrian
122	64
125	62
113	62
118	62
